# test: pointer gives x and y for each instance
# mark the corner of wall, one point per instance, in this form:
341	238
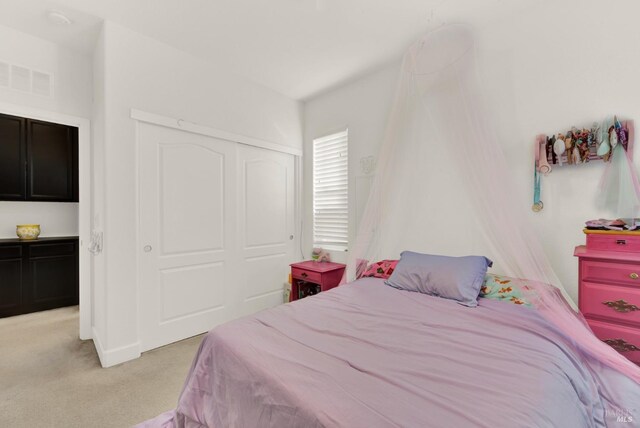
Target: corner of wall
99	281
112	357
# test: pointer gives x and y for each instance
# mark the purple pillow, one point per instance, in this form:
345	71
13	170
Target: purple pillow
457	278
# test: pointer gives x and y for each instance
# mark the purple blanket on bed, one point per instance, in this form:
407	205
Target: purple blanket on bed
368	355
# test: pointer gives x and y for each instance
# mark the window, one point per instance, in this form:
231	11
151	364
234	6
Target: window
330	192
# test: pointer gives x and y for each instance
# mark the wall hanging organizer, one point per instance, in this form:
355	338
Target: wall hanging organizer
580	146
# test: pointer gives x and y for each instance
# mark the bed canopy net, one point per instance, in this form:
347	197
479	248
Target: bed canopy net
442	185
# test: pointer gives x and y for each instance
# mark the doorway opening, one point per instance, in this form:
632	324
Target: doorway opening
49	155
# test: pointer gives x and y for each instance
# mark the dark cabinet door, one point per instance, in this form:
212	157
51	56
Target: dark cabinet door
12	158
11	275
53	276
36	276
52	159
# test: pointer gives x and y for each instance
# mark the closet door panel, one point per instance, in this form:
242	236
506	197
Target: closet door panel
12	158
266	226
187	234
191	199
215	233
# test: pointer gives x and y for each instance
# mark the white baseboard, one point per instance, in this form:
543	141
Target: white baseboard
111	357
85	333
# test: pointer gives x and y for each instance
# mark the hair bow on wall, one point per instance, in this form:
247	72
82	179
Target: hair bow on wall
579	146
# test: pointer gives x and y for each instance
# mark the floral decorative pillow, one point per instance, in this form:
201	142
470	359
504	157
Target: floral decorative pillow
506	289
382	269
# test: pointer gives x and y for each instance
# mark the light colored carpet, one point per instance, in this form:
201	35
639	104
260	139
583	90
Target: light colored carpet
50	378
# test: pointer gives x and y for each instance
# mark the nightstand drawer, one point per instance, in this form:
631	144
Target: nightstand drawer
306	275
610	301
623	339
608	272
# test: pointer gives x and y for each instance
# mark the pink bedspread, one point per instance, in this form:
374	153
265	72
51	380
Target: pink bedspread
368	355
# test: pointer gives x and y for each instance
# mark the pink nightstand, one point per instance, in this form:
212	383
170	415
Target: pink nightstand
311	277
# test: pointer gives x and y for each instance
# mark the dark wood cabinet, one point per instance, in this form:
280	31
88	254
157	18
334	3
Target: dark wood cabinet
11	271
52	162
38	275
38	160
13	184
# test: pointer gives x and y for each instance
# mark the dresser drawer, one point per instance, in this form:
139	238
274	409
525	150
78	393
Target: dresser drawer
611	272
610	301
623	339
626	243
306	275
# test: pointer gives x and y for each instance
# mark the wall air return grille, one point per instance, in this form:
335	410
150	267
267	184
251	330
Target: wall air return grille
41	83
4	75
24	79
20	78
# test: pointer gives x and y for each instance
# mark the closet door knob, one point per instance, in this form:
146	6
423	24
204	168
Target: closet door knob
633	276
148	248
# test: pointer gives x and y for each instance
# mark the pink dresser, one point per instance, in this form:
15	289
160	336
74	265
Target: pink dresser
609	298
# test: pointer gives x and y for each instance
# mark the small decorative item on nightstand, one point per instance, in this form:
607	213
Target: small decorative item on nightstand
309	278
320	255
609	296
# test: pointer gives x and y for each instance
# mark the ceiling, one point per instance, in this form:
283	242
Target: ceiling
297	47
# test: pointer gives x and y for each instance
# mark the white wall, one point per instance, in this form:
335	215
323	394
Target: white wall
145	74
551	67
72	95
362	107
531	96
72	73
98	131
54	218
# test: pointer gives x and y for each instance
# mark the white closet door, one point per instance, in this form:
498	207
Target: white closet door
265	226
187	234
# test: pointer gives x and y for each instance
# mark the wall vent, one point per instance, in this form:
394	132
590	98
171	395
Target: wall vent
4	75
20	78
24	79
41	83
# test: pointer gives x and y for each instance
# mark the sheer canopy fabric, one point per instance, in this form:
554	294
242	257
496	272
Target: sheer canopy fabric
619	186
442	185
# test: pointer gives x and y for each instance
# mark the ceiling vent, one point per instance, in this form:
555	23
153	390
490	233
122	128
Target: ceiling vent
24	79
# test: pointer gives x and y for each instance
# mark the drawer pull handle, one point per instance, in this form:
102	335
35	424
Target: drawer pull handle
621	345
633	276
304	274
621	242
621	306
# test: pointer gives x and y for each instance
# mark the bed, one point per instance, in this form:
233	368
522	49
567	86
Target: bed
368	355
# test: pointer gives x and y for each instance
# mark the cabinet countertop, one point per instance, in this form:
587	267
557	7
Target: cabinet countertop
33	241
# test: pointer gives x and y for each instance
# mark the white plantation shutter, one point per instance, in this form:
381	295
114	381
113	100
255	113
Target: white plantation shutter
330	192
